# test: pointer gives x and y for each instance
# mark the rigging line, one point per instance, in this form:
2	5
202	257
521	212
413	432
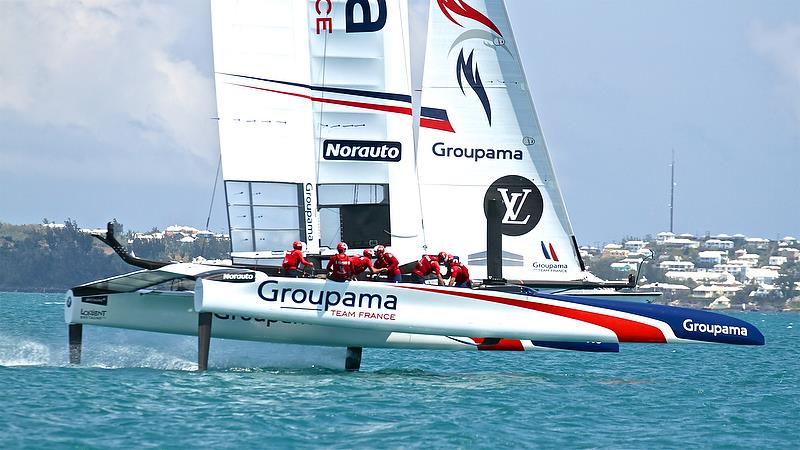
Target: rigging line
211	206
405	29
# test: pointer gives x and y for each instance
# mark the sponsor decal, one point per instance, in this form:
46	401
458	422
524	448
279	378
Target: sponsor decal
323	299
101	300
345	150
267	322
550	267
92	314
715	329
473	78
551	254
324	20
467	67
308	210
69	302
358	14
523	202
475	154
461	8
233	277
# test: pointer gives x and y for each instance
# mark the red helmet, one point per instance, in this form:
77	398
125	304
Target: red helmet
380	249
442	257
342	247
450	258
368	253
297	245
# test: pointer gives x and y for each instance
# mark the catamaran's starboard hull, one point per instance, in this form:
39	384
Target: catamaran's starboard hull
450	311
249	305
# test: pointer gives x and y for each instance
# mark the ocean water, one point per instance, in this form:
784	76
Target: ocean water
140	390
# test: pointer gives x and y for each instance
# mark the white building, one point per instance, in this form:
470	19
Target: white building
777	260
680	243
634	246
664	236
711	257
720	303
614	251
676	266
698	276
730	267
758	243
761	275
718	244
715	290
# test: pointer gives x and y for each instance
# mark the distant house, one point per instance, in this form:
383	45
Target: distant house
679	242
614	251
180	229
624	266
718	244
715	290
788	241
777	260
664	236
730	267
721	302
587	251
698	276
721	237
751	259
761	275
634	246
791	253
676	266
738	238
764	290
709	258
757	243
666	288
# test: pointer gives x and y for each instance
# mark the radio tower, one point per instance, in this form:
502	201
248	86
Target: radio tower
672	193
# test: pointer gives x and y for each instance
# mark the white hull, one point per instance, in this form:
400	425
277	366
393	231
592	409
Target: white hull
171	312
251	306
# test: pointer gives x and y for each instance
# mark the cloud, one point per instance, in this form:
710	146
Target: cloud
105	68
781	46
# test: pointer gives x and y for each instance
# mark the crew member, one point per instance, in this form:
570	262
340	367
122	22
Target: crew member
427	265
388	264
459	274
293	259
362	263
340	268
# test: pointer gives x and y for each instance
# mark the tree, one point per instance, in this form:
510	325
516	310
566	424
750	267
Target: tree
787	277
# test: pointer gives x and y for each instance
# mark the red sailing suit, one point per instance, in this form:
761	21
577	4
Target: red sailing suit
293	259
388	260
361	263
428	264
340	268
459	272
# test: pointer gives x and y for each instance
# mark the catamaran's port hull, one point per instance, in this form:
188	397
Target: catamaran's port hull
173	312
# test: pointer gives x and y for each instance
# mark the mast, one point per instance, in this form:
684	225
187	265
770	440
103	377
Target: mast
672	193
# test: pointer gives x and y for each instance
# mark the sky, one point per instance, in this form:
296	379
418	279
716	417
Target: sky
107	107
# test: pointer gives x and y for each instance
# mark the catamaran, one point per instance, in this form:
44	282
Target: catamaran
324	138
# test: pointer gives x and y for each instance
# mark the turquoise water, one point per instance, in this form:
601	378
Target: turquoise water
139	390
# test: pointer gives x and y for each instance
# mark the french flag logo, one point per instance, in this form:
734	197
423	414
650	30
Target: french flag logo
551	254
